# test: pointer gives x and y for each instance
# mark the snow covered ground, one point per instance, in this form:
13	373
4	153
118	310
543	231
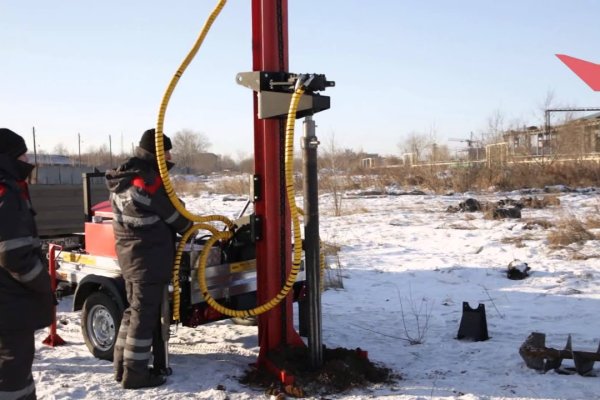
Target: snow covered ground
398	253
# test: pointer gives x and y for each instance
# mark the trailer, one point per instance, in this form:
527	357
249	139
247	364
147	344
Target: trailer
90	271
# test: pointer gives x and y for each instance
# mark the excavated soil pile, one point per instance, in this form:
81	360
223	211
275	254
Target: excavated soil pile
342	370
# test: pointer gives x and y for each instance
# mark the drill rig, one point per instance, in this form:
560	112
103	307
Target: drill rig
245	271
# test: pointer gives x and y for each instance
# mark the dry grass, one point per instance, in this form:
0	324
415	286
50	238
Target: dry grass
592	222
354	209
345	210
488	213
236	185
518	241
538	222
444	178
333	276
480	177
330	249
540	202
551	200
465	226
578	256
568	231
186	188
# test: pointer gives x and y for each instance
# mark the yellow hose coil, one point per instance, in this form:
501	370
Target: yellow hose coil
162	163
297	253
202	220
177	264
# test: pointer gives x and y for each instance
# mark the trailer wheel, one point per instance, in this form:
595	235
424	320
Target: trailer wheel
100	321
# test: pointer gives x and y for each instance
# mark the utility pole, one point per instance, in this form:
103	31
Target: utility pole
79	147
110	150
34	148
35	155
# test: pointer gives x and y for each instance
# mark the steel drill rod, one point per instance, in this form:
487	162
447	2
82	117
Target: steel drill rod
311	238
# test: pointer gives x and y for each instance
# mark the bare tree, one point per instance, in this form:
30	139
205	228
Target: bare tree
226	162
187	144
246	164
495	127
61	149
98	157
546	103
416	143
330	159
440	153
549	101
556	145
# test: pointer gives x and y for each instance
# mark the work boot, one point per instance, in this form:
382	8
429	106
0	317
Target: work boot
164	371
136	380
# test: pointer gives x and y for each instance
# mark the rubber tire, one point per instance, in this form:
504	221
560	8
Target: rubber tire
100	300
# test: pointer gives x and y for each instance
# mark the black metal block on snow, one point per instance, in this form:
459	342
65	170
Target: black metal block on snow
473	324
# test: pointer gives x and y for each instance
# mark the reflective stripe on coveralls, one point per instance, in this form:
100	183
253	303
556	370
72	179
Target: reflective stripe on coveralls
31	275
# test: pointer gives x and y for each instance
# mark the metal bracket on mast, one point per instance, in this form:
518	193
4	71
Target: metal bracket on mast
275	91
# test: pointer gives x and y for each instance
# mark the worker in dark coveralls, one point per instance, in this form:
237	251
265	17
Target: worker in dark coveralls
26	297
145	223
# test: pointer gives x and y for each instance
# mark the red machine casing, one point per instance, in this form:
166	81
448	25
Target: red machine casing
100	239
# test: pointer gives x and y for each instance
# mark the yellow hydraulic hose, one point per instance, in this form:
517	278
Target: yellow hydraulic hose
202	220
177	264
162	162
159	139
297	254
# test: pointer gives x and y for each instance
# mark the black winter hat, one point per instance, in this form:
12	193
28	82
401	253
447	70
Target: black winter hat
11	143
149	144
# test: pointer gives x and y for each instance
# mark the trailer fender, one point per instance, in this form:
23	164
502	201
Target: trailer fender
94	283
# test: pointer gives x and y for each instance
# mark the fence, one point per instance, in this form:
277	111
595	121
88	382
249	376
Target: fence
59	174
60	207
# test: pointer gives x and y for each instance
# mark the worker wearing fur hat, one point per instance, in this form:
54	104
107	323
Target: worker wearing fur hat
25	293
145	223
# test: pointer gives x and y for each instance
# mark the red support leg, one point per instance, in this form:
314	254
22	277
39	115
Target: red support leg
53	339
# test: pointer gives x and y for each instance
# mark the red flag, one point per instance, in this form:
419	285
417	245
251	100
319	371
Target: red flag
587	71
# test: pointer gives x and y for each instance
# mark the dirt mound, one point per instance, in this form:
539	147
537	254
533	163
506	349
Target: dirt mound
342	370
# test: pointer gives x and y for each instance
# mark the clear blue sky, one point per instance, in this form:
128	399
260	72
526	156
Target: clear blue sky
100	68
